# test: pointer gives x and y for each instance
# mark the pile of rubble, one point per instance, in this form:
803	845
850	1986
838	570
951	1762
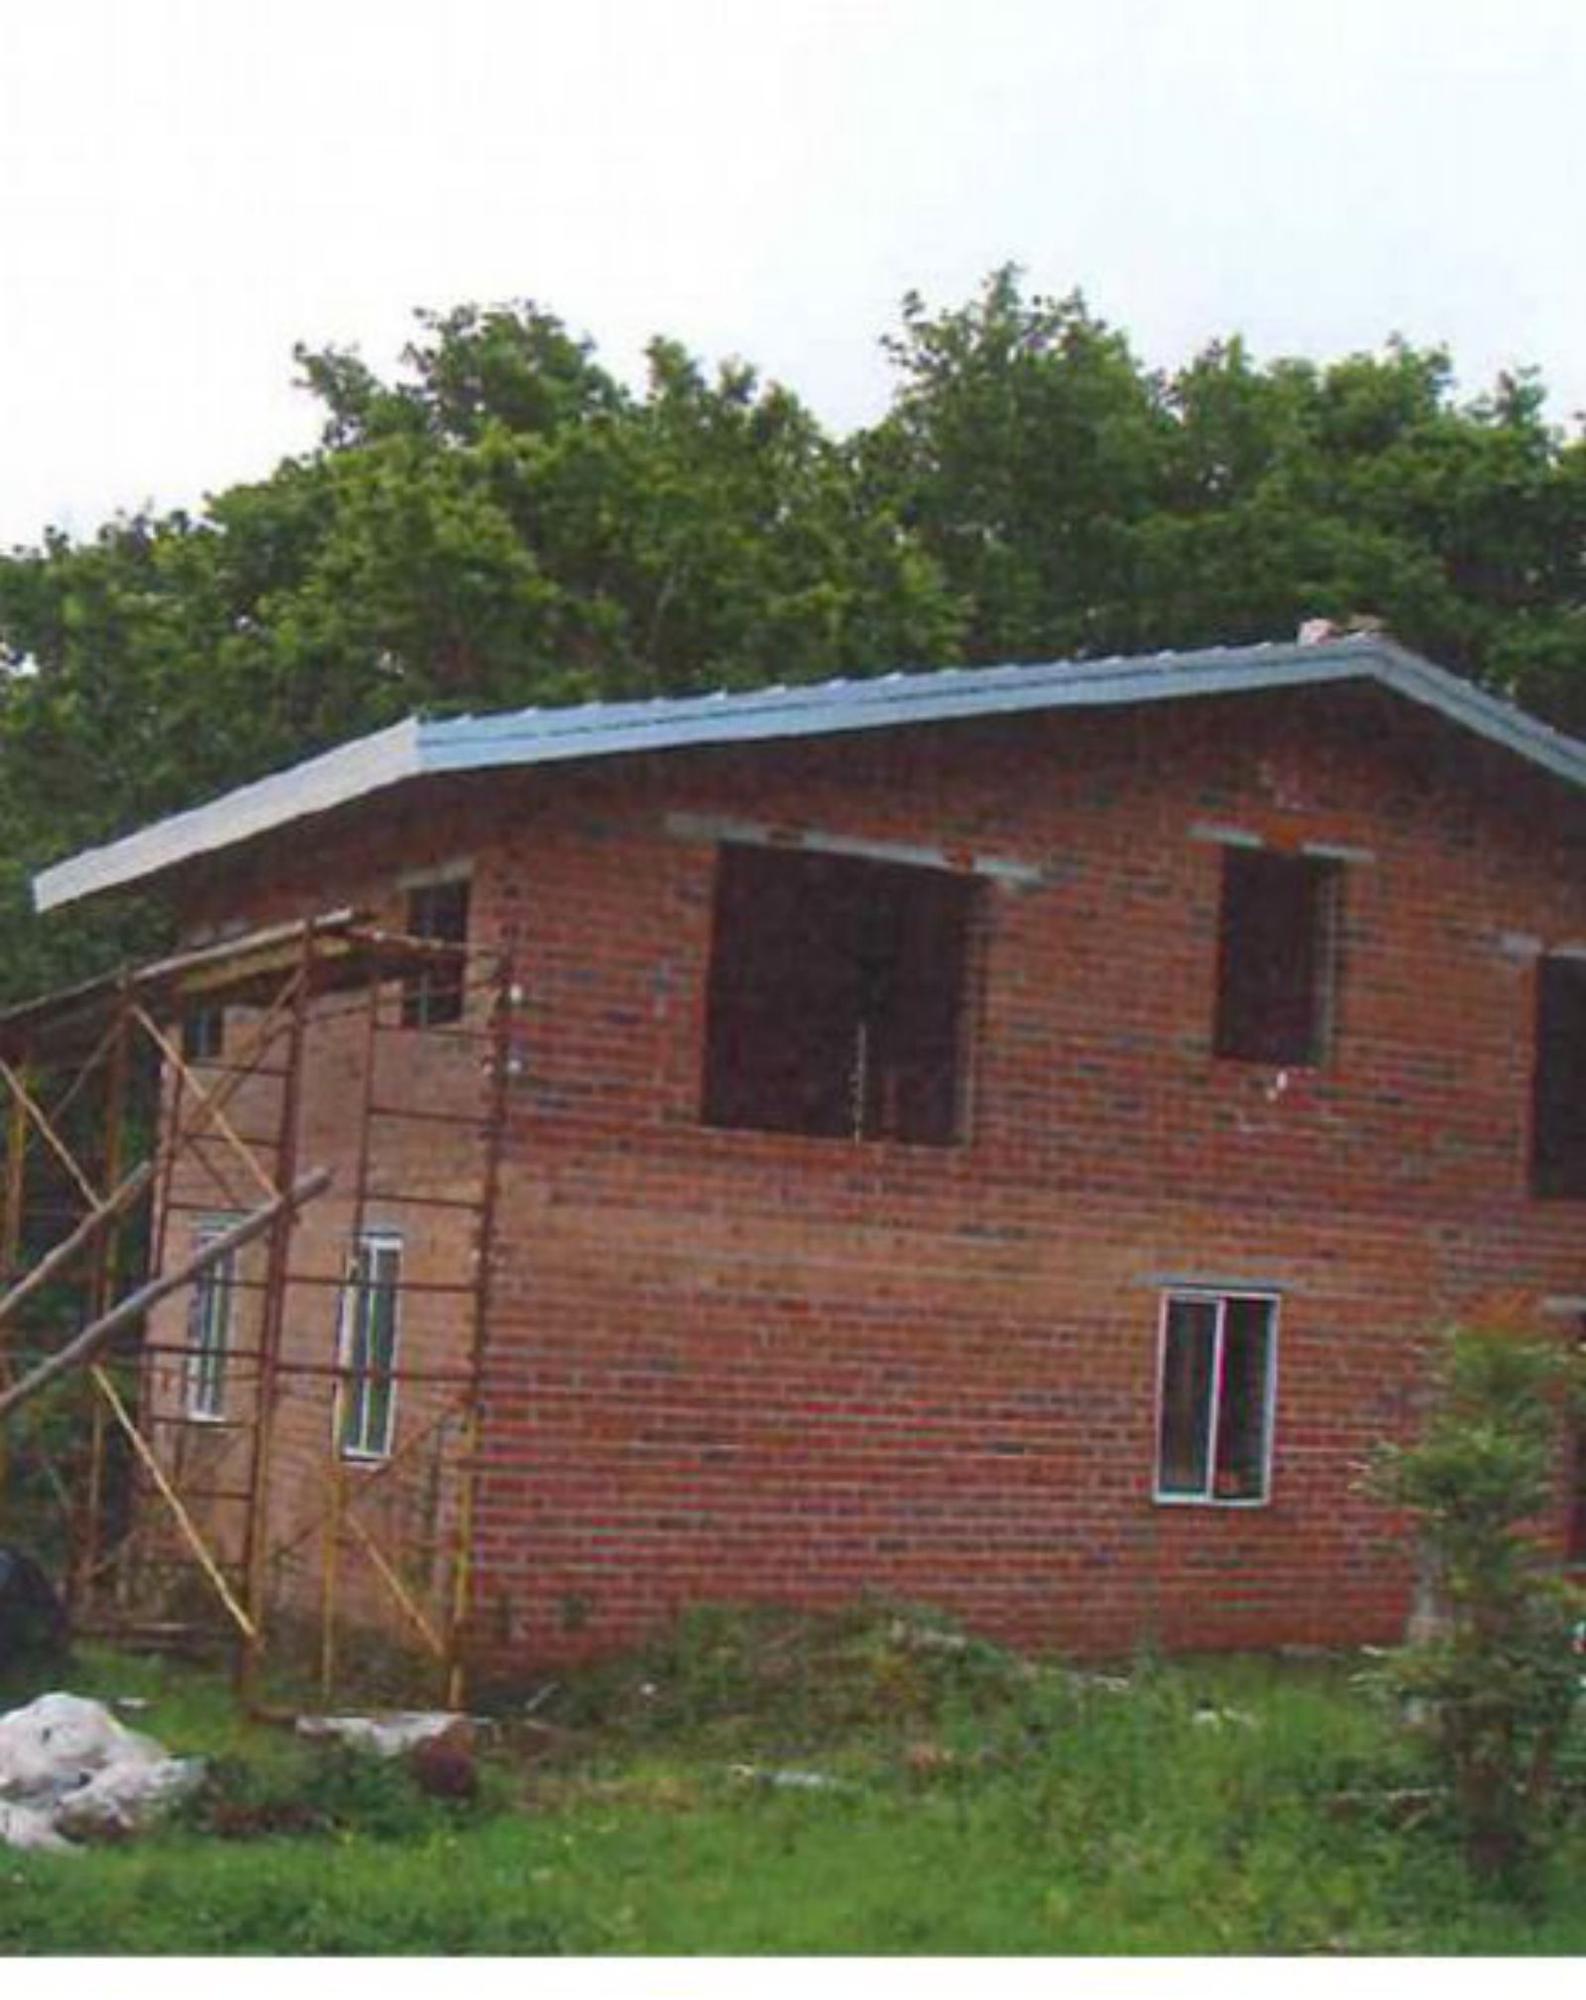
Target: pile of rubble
69	1771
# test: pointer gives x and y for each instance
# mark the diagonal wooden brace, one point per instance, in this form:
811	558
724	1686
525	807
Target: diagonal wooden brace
56	1260
82	1347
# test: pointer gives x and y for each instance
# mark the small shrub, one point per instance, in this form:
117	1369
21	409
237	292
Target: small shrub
331	1789
1496	1680
797	1677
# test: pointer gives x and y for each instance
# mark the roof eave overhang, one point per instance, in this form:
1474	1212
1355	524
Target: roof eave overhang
416	749
351	771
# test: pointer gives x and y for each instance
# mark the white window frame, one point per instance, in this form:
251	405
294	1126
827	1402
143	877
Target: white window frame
211	1309
1221	1299
351	1410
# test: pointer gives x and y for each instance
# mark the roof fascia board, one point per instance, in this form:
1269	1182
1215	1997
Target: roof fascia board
348	772
1473	708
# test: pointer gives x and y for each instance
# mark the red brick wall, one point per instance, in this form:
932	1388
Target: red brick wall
728	1364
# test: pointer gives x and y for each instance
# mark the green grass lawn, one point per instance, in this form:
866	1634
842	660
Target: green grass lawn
974	1806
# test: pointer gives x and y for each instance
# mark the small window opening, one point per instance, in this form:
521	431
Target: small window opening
1558	1121
1277	957
1214	1423
209	1314
368	1348
203	1034
837	996
433	997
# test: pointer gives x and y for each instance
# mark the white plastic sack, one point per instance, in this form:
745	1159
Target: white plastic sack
21	1827
68	1765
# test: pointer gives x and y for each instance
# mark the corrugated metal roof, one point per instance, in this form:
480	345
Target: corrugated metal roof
418	749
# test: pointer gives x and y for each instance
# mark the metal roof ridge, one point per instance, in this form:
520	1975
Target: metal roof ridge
896	687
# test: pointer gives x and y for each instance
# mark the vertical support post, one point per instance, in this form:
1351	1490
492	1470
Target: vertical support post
501	1020
11	1241
169	1142
256	1532
167	1147
15	1182
331	1569
101	1290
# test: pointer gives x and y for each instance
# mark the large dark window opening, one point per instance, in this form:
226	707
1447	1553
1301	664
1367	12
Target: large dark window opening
1558	1119
837	996
437	911
1277	957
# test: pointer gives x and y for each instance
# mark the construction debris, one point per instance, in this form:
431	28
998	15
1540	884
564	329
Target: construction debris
390	1735
1207	1716
790	1781
69	1772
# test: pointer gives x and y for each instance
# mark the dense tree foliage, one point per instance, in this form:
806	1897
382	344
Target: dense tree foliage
507	522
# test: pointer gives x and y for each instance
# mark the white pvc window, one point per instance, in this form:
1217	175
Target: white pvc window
1216	1387
209	1313
366	1420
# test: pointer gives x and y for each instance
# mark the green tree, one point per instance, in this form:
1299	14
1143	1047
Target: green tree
1023	449
1076	502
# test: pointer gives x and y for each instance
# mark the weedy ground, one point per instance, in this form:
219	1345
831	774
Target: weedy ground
760	1783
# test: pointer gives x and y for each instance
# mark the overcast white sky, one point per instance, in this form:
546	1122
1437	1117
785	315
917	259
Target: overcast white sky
188	186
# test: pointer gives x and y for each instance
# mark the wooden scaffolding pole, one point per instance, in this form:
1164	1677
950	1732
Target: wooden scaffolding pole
484	1255
85	1345
53	1262
256	1534
16	1168
330	1574
102	1292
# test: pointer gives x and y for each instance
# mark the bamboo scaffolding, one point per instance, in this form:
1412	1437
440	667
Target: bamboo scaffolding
256	1525
484	1251
209	1102
84	1345
336	1471
173	1500
46	1130
115	1049
398	1589
301	975
60	1258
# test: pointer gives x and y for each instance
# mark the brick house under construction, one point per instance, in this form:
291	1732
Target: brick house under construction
999	1138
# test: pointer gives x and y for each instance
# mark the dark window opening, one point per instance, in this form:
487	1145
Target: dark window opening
203	1034
1214	1424
437	911
837	995
1276	958
1558	1120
